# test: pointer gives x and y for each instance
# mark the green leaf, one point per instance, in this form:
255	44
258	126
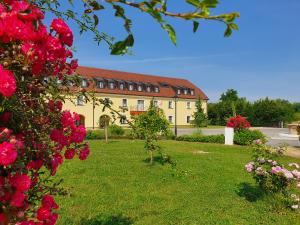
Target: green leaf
195	26
228	31
121	47
234	26
196	3
96	20
171	32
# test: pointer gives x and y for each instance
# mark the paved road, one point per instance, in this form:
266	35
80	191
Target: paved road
273	134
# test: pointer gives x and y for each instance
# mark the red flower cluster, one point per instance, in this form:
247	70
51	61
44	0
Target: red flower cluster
238	123
34	132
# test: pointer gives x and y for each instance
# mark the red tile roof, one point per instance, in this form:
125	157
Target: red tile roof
168	92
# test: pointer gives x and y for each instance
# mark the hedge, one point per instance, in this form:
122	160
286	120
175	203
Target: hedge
219	139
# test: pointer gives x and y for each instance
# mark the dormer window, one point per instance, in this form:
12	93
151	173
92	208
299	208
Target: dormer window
121	86
178	91
148	89
130	87
100	84
156	89
192	92
111	85
84	83
81	100
140	88
185	91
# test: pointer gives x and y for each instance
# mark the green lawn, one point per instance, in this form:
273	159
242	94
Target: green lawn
116	187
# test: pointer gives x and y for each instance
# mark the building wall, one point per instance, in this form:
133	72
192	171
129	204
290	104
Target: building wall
86	110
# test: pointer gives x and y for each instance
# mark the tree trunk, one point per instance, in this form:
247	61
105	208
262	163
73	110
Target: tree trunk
151	157
106	135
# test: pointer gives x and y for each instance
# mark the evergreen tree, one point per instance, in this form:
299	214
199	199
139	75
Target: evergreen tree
200	117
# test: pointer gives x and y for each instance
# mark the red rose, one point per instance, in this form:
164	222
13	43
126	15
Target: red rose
43	213
21	182
69	154
48	202
84	153
5	117
8	154
7	82
60	26
17	199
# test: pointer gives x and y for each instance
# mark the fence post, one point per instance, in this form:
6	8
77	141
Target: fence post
229	134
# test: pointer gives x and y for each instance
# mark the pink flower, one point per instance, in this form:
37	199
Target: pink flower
8	154
276	169
296	173
249	167
7	82
60	26
21	182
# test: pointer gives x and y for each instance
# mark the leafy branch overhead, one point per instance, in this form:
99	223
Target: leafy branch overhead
88	19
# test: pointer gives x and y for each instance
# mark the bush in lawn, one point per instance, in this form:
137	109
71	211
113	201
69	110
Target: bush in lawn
94	135
35	134
116	130
149	126
238	123
274	177
247	137
219	139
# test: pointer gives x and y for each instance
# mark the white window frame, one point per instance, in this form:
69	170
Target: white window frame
185	91
140	107
188	105
170	105
170	119
188	119
155	103
192	92
100	84
148	89
140	88
121	86
111	85
156	89
178	91
84	83
126	104
81	100
130	87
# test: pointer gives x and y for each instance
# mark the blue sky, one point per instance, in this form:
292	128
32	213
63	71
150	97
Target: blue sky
261	59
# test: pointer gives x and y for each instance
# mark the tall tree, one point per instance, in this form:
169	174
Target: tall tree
199	116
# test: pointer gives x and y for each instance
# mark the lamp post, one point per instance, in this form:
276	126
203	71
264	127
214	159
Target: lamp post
175	98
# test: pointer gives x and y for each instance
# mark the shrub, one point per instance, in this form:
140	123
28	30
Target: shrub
238	123
220	139
247	137
273	177
116	130
94	134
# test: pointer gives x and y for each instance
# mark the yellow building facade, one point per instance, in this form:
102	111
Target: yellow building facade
176	97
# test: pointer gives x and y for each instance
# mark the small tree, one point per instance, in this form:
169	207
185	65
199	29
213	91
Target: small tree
200	117
149	126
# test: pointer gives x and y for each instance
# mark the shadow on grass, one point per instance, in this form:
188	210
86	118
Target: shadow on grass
161	160
107	220
250	192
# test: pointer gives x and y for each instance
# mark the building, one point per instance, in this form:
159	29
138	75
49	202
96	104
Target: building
175	96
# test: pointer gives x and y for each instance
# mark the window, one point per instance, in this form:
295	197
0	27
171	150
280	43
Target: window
148	89
84	83
111	85
123	120
188	119
156	89
170	118
140	88
124	102
188	105
100	84
80	100
140	105
185	91
170	104
178	91
121	86
192	92
130	87
155	103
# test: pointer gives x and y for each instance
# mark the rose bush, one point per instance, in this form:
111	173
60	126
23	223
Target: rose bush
35	134
238	123
272	176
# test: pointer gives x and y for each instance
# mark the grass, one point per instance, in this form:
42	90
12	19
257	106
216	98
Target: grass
116	187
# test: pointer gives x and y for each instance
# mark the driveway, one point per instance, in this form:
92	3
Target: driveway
273	134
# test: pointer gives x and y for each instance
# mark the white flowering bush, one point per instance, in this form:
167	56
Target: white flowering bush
274	177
